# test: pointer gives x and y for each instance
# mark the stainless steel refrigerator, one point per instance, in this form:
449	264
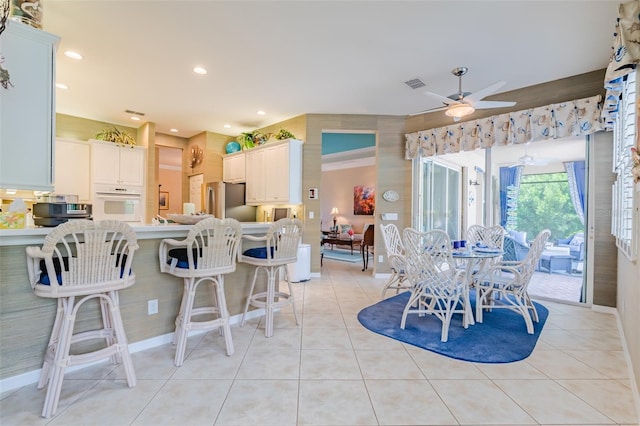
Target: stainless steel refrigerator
225	200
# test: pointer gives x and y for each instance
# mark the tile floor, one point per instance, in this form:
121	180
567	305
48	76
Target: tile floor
332	371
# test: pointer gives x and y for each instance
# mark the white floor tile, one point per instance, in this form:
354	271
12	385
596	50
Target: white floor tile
330	370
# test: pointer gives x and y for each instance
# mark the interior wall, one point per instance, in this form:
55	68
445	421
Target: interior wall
171	181
337	191
566	89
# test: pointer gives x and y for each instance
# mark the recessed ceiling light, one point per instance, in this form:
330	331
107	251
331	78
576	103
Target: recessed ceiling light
227	126
173	130
73	55
134	118
62	86
261	112
200	70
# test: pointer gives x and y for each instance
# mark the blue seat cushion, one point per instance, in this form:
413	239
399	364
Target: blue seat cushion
258	252
44	275
183	259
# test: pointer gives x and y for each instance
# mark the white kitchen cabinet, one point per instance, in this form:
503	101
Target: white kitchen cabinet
73	168
27	108
233	168
116	164
255	170
274	173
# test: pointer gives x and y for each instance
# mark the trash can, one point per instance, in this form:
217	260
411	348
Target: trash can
301	270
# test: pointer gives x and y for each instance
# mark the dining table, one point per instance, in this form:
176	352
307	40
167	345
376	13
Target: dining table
474	260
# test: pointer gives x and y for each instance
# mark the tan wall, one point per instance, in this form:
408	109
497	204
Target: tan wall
392	172
337	191
575	87
628	302
171	181
83	129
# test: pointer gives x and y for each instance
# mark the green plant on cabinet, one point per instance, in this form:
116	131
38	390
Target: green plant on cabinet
117	136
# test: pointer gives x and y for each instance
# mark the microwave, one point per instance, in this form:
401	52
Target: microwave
118	203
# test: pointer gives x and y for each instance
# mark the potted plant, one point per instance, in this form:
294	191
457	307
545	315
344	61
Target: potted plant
249	140
117	136
284	134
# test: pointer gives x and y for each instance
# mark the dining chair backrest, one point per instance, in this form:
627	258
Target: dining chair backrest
530	262
429	262
392	240
491	236
368	238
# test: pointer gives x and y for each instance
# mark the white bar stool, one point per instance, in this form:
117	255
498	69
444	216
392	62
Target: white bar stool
209	251
280	248
89	260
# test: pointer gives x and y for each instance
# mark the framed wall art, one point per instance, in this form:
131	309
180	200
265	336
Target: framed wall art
364	200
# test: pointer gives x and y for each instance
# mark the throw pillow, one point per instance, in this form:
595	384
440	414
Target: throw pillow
577	240
344	229
519	237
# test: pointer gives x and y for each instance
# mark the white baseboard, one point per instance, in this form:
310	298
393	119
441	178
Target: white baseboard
30	377
627	357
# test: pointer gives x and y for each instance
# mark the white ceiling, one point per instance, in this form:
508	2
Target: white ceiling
294	57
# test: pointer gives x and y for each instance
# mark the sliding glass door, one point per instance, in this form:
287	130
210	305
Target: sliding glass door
438	201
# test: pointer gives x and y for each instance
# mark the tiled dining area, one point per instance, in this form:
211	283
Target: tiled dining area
332	371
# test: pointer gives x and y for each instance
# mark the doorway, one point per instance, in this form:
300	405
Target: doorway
169	180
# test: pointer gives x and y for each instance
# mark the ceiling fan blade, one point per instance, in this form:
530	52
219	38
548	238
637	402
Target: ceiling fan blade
476	96
443	99
428	110
492	104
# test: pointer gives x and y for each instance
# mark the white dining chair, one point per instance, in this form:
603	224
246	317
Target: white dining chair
395	254
438	288
489	236
504	284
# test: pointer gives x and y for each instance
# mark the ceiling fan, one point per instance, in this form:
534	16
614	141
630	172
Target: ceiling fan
528	160
464	103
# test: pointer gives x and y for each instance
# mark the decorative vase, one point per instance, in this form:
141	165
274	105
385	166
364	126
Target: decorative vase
27	11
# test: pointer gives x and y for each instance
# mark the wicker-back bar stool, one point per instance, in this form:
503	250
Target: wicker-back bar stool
208	253
82	260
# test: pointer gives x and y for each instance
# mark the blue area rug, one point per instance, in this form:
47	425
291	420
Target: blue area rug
343	255
501	337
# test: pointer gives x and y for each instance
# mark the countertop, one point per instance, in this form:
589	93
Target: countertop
13	237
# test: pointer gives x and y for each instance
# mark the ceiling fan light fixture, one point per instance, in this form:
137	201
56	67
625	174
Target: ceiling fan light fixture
459	110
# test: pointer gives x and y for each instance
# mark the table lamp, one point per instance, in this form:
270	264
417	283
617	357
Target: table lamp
334	212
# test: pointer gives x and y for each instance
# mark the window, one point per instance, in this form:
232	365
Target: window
439	195
624	136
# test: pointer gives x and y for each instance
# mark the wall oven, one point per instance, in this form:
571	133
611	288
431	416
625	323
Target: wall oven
117	203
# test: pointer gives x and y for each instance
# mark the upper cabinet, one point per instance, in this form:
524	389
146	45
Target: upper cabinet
27	108
116	164
73	168
255	167
274	173
233	168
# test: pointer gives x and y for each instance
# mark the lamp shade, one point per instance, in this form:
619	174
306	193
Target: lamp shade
334	211
459	110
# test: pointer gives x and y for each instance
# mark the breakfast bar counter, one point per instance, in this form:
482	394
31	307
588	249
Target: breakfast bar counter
26	320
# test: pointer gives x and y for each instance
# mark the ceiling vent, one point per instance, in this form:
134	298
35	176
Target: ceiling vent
128	111
416	83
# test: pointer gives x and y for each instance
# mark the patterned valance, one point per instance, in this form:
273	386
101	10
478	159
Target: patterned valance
572	118
625	56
